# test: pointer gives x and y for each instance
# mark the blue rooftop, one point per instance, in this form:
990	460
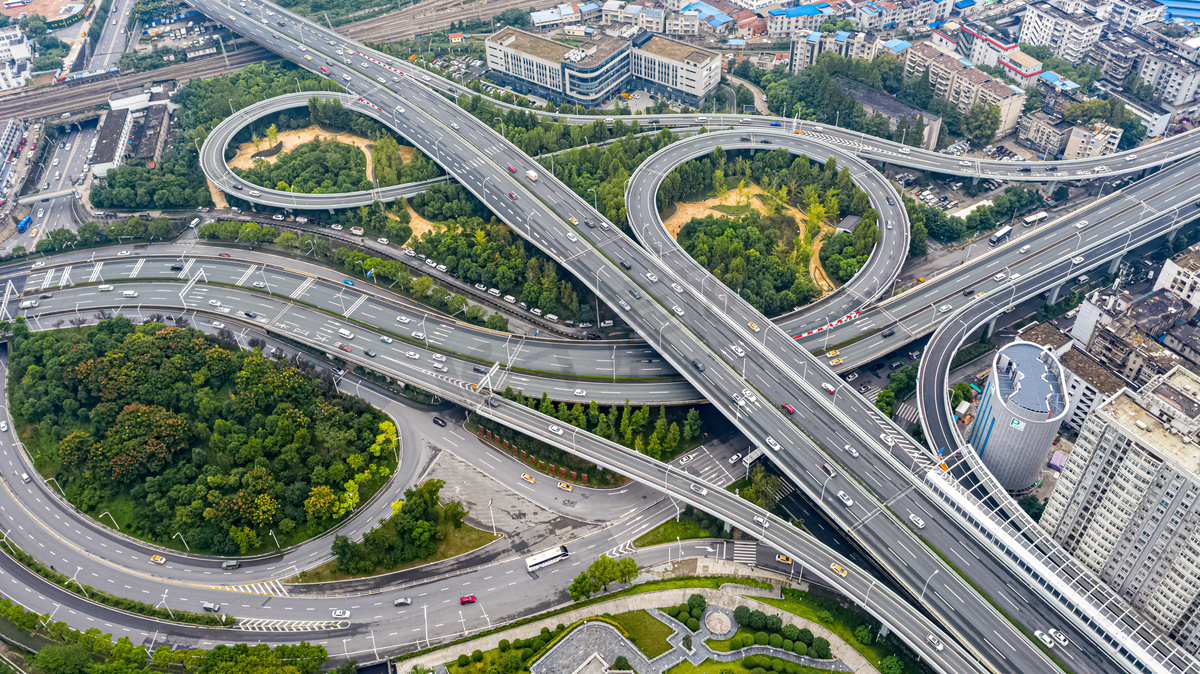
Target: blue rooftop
963	4
841	36
709	14
896	45
807	10
735	43
814	36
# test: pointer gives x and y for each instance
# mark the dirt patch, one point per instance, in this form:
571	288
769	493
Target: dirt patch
51	9
420	225
685	211
218	196
823	280
294	139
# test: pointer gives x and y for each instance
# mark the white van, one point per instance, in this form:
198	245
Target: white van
346	334
104	288
29	304
551	317
129	293
494	292
510	299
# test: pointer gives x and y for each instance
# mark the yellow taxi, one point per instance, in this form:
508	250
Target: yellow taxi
528	478
784	559
799	131
564	486
836	361
833	354
837	568
753	326
156	559
573	220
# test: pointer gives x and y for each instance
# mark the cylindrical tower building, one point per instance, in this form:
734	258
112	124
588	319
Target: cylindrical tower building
1019	414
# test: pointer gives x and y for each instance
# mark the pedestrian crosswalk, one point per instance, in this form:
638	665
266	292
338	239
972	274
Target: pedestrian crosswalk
272	588
745	552
264	625
908	413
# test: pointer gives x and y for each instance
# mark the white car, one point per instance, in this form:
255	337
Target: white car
439	357
402	319
734	459
124	253
677	288
218	324
580	392
998	277
773	445
341	614
382	240
385	339
214	303
425	77
418	335
1081	224
846	498
259	284
651	277
4	426
39	264
572	237
739	400
737	350
944	308
749	396
1077	260
677	310
1044	638
553	429
336	228
917	521
413	354
1058	636
851	451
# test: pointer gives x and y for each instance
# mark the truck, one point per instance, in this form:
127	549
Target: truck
532	175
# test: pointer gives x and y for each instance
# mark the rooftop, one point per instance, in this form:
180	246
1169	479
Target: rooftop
881	102
1088	369
1150	311
1081	19
152	127
1045	335
677	51
1126	411
1189	258
594	49
1028	377
107	143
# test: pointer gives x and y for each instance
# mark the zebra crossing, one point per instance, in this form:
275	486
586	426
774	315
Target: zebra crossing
265	625
745	552
272	588
908	413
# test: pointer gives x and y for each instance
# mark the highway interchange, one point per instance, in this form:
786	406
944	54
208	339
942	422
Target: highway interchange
679	341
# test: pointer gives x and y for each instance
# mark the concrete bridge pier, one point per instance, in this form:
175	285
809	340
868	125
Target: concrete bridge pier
1053	296
1115	264
990	327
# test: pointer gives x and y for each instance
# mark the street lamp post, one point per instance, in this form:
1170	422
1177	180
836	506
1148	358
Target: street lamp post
922	595
180	537
593	191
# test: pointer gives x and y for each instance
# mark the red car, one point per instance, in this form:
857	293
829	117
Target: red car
828	389
222	254
787	407
512	169
469	599
512	196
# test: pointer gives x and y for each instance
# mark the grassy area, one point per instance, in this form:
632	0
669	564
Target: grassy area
714	582
722	645
874	653
736	209
456	542
714	667
649	633
669	531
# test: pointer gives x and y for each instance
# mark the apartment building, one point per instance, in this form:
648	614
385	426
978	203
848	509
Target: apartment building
957	81
795	21
1069	36
586	75
646	18
1174	78
1180	275
1127	503
674	69
565	15
1091	141
1043	132
682	24
111	142
13	45
807	47
1119	54
882	14
874	100
1128	14
1119	332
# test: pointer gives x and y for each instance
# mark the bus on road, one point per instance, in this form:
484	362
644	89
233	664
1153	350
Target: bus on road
24	224
1034	219
1000	236
546	558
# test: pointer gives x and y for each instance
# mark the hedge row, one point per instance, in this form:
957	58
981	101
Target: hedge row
690	613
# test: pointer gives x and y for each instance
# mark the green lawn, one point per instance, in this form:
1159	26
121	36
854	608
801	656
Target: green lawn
714	582
713	667
669	531
649	633
874	653
722	645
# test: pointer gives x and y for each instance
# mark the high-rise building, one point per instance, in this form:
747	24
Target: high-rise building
1020	411
1069	36
1128	502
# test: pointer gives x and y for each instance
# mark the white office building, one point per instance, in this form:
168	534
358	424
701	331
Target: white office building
674	69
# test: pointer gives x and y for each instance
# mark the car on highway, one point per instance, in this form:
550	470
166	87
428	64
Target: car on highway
650	276
580	392
385	339
835	361
512	169
1077	260
887	439
338	228
382	240
753	326
222	254
735	458
851	451
1044	638
39	264
1081	224
565	487
678	311
413	355
917	521
750	397
402	319
402	601
512	196
699	489
624	305
964	163
773	444
944	308
418	335
933	641
1058	636
4	426
124	253
343	347
555	430
157	559
572	220
737	350
469	599
676	287
845	498
259	284
439	357
1024	249
370	353
341	614
348	282
528	478
787	407
214	303
828	388
762	522
439	421
739	400
635	294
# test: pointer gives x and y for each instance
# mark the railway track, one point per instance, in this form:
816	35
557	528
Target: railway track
55	100
430	16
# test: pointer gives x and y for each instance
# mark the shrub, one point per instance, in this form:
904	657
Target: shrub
863	635
685	611
463	660
775	641
561	627
750	661
735	643
696	601
791	632
774	623
759	670
527	653
741	615
776	665
697	613
693	624
820	648
545	632
788	645
518	644
671	611
824	616
891	665
621	664
806	636
760	638
758	620
504	645
791	668
477	656
800	648
538	645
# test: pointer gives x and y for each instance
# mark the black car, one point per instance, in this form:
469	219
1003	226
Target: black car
589	223
237	186
764	141
626	264
176	267
635	294
439	421
889	332
593	336
250	314
479	370
698	365
891	201
370	353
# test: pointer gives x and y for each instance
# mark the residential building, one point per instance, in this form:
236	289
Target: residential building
1128	14
1019	413
1119	54
1058	92
15	76
646	18
1069	36
1043	132
1089	142
983	48
795	21
884	14
565	15
675	69
1021	67
874	101
586	75
682	24
1089	385
111	142
964	85
1156	118
807	47
1174	78
1119	332
1128	502
13	45
711	18
1180	275
154	133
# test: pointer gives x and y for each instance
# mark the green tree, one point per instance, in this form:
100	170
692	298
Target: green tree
981	123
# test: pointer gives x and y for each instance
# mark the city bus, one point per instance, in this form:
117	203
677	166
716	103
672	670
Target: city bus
24	224
1034	219
1000	236
976	390
546	558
